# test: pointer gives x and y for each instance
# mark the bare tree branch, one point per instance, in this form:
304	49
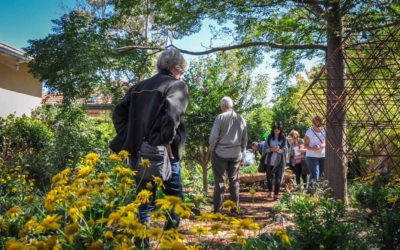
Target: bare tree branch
232	47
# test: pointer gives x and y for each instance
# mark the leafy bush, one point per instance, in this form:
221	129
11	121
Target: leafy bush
52	139
27	142
378	197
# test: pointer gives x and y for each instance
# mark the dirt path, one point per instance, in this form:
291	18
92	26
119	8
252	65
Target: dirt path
258	208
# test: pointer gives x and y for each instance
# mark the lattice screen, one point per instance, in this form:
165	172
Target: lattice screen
372	96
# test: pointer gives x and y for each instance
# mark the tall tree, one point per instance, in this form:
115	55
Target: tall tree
294	30
209	79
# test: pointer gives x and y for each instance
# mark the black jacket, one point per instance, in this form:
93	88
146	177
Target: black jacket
152	109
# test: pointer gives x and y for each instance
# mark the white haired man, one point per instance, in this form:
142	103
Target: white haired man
152	111
227	140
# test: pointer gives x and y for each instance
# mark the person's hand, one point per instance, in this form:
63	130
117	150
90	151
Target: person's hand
323	145
316	147
169	151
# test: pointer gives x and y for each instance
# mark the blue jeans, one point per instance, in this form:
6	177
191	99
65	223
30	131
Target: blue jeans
315	167
172	187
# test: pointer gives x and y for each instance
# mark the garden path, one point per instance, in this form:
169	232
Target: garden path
257	207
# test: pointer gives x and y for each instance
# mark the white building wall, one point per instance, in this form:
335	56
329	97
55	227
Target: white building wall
18	103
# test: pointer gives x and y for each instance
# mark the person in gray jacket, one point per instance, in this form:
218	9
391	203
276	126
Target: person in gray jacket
227	140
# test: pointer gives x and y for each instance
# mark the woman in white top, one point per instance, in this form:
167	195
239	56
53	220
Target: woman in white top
314	143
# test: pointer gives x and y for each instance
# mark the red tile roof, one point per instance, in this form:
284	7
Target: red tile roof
56	99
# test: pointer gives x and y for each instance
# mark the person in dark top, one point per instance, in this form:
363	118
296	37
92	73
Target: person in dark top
274	159
153	110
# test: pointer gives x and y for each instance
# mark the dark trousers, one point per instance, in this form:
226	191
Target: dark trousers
219	167
274	178
299	172
172	187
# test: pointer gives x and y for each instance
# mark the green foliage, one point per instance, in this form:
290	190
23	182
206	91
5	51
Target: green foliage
288	110
80	56
209	79
252	169
259	121
378	197
51	140
27	142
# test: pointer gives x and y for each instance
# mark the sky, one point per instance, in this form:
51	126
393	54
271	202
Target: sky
23	20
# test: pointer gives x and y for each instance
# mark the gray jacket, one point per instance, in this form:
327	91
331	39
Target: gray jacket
228	136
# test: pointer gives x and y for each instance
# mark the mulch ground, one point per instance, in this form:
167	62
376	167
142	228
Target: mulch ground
257	207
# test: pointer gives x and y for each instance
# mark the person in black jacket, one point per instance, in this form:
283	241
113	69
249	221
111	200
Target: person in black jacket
152	111
274	159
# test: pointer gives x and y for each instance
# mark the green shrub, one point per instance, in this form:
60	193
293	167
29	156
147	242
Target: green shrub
52	139
377	198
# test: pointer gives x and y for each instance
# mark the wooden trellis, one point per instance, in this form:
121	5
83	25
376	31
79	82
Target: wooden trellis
371	99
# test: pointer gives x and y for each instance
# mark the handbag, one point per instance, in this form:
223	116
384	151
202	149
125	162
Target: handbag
153	161
262	167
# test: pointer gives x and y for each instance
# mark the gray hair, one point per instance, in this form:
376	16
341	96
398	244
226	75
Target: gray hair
170	58
227	101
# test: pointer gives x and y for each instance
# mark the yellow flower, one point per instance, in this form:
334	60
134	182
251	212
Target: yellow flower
123	171
169	202
14	245
90	223
215	228
85	171
113	218
115	157
122	246
154	232
70	230
30	199
245	224
392	199
111	192
13	212
158	181
169	238
51	242
253	192
158	215
206	217
230	205
132	226
51	222
96	245
91	159
3	225
199	199
149	185
199	230
28	227
104	177
145	163
82	191
283	235
221	217
75	214
123	154
130	208
143	197
177	245
108	235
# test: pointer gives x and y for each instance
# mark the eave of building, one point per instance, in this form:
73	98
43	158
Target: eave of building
14	52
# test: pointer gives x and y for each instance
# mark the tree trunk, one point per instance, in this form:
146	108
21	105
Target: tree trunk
205	178
204	160
335	161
